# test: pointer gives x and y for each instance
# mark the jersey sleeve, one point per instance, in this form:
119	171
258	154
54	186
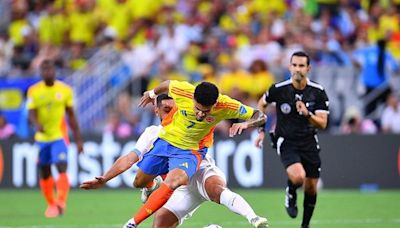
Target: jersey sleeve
30	103
235	109
180	89
270	95
322	102
146	139
69	97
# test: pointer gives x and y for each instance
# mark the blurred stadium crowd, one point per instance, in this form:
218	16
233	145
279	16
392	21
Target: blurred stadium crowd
243	46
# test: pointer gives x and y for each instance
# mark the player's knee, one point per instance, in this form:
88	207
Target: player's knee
298	178
45	172
214	193
176	180
138	183
310	189
164	218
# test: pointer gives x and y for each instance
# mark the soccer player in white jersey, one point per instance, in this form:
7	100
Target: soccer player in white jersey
164	105
208	183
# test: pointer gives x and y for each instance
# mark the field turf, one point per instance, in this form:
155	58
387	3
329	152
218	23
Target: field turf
112	208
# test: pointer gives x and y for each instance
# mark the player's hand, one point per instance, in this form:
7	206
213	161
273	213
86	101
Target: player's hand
98	182
237	128
146	99
79	146
301	108
40	128
260	139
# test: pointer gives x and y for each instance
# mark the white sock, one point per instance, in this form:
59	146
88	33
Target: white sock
237	204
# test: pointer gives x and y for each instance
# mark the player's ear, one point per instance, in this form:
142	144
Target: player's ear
156	111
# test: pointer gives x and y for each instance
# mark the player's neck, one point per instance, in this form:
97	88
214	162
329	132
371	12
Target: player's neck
49	83
299	85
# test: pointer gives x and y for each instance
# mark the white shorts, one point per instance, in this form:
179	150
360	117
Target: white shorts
186	199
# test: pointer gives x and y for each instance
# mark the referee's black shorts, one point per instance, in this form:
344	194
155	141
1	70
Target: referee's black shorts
305	152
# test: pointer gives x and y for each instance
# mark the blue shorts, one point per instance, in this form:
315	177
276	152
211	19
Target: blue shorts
164	157
52	152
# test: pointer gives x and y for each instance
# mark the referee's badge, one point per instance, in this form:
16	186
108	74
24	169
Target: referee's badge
285	108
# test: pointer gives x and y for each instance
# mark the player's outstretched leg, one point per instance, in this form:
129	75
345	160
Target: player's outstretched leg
239	205
148	190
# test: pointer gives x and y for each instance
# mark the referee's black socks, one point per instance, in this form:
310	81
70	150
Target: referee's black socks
292	188
309	205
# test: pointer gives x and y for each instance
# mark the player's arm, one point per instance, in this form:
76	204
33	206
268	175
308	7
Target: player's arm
150	95
75	128
319	119
257	120
262	104
122	164
34	120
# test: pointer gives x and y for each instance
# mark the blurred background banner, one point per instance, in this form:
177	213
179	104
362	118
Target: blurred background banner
372	166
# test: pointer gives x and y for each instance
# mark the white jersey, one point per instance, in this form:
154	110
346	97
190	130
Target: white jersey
146	140
187	198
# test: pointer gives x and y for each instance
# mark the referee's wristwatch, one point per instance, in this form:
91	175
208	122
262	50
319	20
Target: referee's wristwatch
309	115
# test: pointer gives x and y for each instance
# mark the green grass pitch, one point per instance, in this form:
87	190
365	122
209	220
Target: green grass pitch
112	208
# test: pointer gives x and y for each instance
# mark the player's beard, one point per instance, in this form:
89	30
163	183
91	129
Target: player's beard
297	76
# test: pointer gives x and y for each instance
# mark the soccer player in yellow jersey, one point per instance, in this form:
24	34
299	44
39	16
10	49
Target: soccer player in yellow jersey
185	137
48	102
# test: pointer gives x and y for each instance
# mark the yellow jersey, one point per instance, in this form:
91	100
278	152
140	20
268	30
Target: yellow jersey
182	130
50	103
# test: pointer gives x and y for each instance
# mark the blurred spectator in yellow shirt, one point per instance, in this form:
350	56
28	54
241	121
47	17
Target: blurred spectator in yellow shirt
167	72
53	27
261	78
83	24
235	82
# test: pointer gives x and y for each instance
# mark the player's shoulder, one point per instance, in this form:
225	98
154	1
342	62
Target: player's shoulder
153	129
282	84
315	85
226	102
35	87
62	85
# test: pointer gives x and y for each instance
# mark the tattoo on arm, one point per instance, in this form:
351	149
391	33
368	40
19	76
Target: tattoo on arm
257	120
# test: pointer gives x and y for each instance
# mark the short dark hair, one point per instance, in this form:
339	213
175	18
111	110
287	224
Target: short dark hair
47	62
162	97
301	54
206	94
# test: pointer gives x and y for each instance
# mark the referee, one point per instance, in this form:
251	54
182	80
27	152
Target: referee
302	108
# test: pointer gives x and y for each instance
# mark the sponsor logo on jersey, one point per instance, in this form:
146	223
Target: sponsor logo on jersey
185	164
242	110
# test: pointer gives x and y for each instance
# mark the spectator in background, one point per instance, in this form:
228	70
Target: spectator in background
375	63
261	78
390	120
7	130
354	123
116	126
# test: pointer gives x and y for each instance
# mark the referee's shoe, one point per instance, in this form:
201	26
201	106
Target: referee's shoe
290	203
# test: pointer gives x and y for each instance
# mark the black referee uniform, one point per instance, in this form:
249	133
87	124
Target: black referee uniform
296	138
